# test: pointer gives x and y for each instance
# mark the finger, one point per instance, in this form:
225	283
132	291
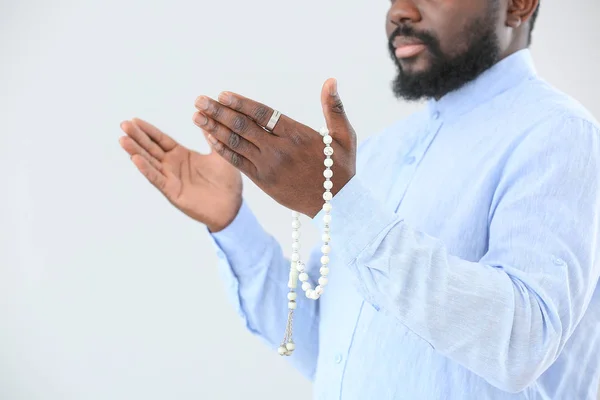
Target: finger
235	159
235	121
133	148
257	112
336	119
231	139
166	142
137	134
154	176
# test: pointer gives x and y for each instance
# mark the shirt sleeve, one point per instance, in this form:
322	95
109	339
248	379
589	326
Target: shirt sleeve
255	273
508	316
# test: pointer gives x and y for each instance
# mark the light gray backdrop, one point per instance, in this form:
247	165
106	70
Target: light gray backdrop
108	292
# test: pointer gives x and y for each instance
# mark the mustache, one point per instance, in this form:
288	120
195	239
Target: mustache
408	31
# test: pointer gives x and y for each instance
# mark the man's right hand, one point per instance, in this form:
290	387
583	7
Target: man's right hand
203	186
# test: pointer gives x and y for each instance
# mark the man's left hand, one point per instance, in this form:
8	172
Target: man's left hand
286	163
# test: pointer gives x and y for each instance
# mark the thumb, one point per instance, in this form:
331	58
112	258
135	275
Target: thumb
337	122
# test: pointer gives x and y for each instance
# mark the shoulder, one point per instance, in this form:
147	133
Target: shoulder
537	118
544	106
559	140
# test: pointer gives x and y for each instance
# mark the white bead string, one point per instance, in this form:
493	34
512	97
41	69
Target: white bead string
297	267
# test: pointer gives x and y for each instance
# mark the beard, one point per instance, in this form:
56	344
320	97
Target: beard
447	73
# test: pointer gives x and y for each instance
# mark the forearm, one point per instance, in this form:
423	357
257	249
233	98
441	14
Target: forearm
483	316
256	275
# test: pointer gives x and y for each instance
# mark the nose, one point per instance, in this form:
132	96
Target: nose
404	12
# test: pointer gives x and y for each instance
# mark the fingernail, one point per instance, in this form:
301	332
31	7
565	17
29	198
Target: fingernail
225	98
201	119
333	89
202	103
212	139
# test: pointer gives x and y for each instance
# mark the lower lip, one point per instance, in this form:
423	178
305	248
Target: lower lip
409	50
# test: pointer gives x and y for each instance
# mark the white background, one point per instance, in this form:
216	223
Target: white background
107	291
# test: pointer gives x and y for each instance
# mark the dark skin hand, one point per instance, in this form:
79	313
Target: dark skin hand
287	164
447	19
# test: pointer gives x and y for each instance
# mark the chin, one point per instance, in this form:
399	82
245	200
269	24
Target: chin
415	65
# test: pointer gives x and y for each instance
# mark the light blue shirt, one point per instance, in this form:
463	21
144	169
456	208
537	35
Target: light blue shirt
465	255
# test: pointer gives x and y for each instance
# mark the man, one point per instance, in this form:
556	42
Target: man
464	239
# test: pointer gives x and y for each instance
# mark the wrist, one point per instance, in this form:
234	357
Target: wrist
223	223
318	203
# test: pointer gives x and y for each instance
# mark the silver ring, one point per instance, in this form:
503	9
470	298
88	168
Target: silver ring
273	121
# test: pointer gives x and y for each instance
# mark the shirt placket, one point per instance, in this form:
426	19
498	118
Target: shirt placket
407	165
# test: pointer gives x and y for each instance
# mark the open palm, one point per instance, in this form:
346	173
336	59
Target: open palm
203	186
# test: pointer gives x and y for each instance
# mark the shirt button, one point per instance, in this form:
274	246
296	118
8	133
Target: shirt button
557	261
436	115
338	358
410	160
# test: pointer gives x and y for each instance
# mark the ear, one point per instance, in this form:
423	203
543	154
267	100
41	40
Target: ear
519	12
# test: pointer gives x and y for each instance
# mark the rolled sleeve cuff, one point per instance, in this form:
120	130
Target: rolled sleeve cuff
358	219
243	242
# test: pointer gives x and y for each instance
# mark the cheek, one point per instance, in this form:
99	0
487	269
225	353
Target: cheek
453	38
449	20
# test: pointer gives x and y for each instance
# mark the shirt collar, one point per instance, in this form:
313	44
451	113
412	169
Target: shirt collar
502	76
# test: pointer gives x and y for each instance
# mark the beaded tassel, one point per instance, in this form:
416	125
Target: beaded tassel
297	267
